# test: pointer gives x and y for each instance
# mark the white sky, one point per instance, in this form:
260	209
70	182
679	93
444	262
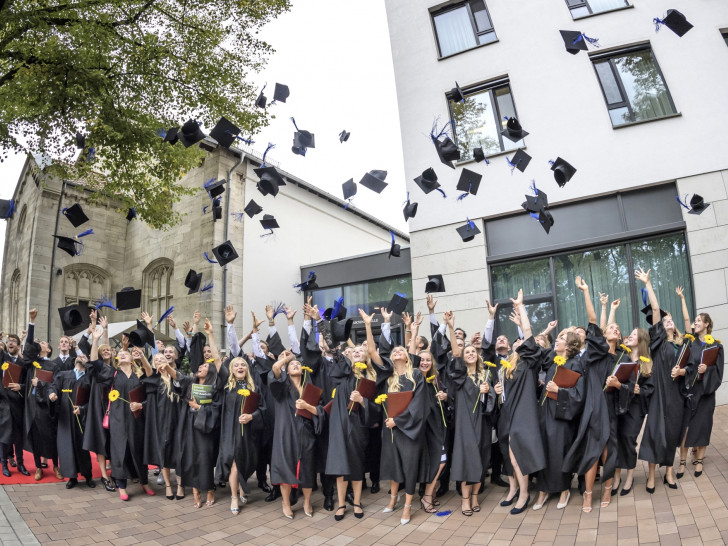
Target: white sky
335	57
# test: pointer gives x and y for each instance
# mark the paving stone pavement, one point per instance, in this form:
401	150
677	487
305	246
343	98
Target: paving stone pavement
695	513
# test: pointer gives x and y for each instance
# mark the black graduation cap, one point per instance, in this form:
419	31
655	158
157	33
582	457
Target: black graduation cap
269	222
7	208
172	135
456	94
190	133
75	215
69	244
697	204
468	231
572	43
128	298
224	132
142	336
131	214
563	171
193	281
398	303
374	180
427	181
216	212
261	100
478	155
80	141
225	253
75	318
394	248
304	139
344	136
281	92
545	219
308	284
410	210
675	21
252	208
647	312
435	283
341	329
349	188
513	130
447	151
520	160
270	180
215	188
469	181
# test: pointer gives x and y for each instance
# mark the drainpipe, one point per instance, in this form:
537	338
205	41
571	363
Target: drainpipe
228	185
53	260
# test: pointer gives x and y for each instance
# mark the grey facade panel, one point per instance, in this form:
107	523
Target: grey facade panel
360	269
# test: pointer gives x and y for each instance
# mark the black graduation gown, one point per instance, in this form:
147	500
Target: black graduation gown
160	428
559	421
434	430
262	367
667	404
472	436
72	458
293	460
701	396
95	436
630	422
236	445
60	366
519	430
41	421
402	445
12	405
126	432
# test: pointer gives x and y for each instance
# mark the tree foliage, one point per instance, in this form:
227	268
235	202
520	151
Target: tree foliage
119	70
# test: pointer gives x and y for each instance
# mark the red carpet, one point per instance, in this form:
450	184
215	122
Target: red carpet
48	474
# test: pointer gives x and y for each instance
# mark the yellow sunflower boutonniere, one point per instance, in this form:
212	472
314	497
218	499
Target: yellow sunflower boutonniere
381	399
333	394
625	348
709	340
244	393
559	360
505	363
362	367
114	396
645	359
691	337
209	361
37	365
5	366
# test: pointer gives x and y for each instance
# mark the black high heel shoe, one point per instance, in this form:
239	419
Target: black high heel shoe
615	489
169	497
338	517
627	491
509	502
679	475
668	484
650	490
358	515
698	473
515	510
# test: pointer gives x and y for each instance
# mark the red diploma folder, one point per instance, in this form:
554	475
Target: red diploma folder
684	357
397	402
82	395
137	395
709	357
12	374
311	395
623	372
251	403
44	375
327	407
367	388
565	379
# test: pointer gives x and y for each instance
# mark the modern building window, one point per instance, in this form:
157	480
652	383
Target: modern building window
85	282
725	37
478	122
551	293
582	8
158	290
633	87
369	296
463	26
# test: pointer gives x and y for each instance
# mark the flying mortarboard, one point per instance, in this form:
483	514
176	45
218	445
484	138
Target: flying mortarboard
575	41
349	188
435	283
697	204
479	155
215	187
190	133
172	135
394	249
74	318
513	130
80	141
469	181
410	209
261	100
193	281
446	149
142	336
456	94
128	298
520	161
225	253
281	93
647	309
69	245
225	132
7	208
269	222
675	21
563	171
302	140
131	214
308	284
344	136
398	303
75	215
427	182
270	180
545	219
252	208
374	180
468	231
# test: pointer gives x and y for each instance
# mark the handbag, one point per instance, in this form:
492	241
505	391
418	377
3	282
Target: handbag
105	422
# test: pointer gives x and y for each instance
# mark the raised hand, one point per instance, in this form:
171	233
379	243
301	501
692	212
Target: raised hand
418	319
643	276
515	317
407	319
519	299
615	304
492	309
186	326
449	318
256	322
269	312
230	314
680	292
581	284
386	315
148	319
603	299
431	303
171	322
208	327
366	318
290	312
33	313
196	317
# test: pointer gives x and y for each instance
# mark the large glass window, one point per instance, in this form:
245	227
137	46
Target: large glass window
478	122
582	8
609	270
633	87
463	26
369	296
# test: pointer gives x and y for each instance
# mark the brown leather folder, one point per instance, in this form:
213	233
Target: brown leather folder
311	395
251	403
82	395
137	395
367	388
12	374
44	375
565	379
624	370
397	402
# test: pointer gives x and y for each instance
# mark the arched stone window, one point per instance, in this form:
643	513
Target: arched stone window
85	282
15	295
157	290
21	222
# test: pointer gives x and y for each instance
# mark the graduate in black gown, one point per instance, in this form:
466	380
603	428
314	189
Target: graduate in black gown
239	432
12	404
472	394
520	435
293	463
559	419
74	460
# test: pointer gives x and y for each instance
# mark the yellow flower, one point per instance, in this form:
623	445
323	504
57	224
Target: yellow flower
691	337
209	361
709	339
66	390
360	365
719	341
380	399
505	363
625	348
489	364
306	369
113	395
559	360
5	366
243	392
37	365
645	359
333	393
430	379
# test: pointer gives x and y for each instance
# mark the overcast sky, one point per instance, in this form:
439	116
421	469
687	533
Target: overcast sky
335	57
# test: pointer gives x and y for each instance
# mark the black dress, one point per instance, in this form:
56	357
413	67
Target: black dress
162	413
95	436
559	421
433	452
73	459
41	419
700	394
126	432
667	405
630	422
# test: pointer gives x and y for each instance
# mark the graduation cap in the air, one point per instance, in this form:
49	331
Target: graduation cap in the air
74	318
344	136
537	206
479	155
80	141
575	41
520	161
75	215
261	100
172	135
456	94
697	204
280	93
308	284
336	311
563	171
7	208
513	130
224	132
225	253
410	209
131	214
215	187
446	149
435	283
675	21
128	298
269	222
190	133
398	303
142	336
270	180
348	189
374	180
341	328
394	249
545	219
427	182
647	309
468	231
216	210
252	208
469	182
70	245
193	281
302	140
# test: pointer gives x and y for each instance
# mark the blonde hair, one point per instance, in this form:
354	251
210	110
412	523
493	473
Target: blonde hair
135	368
433	367
232	382
166	380
112	360
479	366
370	373
514	364
643	347
393	381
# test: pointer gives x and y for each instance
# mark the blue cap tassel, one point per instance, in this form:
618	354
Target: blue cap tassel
161	132
658	23
471	225
644	296
270	146
87	232
209	183
237	216
444	195
582	36
11	210
300	286
512	165
248	141
165	315
280	308
207	257
105	302
338	304
270	232
683	203
444	131
208	286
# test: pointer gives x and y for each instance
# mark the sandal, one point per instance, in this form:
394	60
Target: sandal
606	497
469	511
587	509
696	462
198	500
679	475
234	507
427	506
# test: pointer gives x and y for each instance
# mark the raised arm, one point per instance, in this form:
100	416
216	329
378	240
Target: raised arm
371	346
686	314
643	276
604	300
138	356
292	336
407	321
449	319
283	359
590	313
525	323
213	346
96	335
550	328
413	330
613	311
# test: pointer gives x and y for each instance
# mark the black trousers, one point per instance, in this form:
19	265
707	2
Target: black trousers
7	451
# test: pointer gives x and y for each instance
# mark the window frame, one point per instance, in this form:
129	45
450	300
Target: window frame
585	4
608	57
473	24
160	271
